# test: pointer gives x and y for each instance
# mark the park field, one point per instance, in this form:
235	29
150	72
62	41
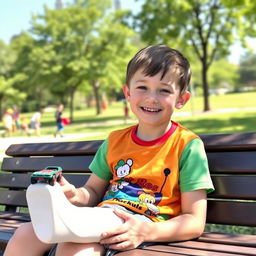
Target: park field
230	113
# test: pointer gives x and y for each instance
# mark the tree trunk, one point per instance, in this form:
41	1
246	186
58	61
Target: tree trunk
1	107
96	87
205	88
204	79
71	104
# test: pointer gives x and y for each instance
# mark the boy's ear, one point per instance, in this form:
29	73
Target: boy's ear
126	91
183	99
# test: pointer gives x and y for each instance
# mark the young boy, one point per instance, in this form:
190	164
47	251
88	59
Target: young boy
154	174
58	117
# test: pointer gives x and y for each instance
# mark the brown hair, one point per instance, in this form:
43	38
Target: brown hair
160	58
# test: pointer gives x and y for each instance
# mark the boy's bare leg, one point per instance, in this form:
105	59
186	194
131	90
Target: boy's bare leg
24	242
71	249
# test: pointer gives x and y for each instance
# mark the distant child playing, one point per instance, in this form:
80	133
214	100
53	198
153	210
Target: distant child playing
154	174
58	117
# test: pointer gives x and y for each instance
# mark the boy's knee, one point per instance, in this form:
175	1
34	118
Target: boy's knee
23	231
68	249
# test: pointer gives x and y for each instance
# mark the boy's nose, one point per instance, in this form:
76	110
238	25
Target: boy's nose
152	97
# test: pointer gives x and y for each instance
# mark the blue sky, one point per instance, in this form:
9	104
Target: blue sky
16	16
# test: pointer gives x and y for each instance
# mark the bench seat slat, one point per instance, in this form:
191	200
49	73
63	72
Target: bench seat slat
231	213
139	252
231	239
10	223
214	248
15	216
68	163
182	249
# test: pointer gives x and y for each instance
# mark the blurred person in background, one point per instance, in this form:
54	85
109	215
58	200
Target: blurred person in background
35	122
59	123
8	122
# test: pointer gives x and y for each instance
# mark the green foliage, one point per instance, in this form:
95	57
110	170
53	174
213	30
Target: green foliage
8	92
72	49
7	57
223	74
247	70
204	28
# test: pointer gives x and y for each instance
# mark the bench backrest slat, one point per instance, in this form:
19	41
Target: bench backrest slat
14	180
232	162
229	187
232	213
68	163
20	181
13	198
230	142
54	148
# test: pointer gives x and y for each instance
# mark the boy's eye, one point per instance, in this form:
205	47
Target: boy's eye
165	91
142	87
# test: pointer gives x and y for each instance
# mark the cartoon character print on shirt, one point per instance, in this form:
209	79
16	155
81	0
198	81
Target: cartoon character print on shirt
131	192
122	169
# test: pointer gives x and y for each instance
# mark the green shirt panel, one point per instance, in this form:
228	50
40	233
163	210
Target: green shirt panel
194	176
99	165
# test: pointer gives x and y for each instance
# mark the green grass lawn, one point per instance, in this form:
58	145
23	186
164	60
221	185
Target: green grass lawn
229	113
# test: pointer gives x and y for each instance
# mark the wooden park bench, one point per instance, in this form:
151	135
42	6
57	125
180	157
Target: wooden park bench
232	161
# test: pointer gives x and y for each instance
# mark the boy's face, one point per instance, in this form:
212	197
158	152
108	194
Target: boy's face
153	100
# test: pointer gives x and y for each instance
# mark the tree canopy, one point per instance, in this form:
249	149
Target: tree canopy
84	48
66	47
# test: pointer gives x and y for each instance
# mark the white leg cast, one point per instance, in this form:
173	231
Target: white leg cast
56	220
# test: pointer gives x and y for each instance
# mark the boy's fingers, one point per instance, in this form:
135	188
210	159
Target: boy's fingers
63	181
122	214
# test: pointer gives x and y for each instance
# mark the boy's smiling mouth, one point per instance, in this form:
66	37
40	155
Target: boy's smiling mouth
151	110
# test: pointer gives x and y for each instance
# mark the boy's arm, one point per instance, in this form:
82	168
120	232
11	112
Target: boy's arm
89	195
189	224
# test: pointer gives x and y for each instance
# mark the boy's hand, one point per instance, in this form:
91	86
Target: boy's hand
128	236
69	190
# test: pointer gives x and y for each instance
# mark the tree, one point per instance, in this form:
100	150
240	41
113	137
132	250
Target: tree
247	70
33	60
108	56
248	20
223	74
202	26
8	92
80	42
64	35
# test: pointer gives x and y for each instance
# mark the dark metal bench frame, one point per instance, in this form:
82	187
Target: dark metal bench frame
232	162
